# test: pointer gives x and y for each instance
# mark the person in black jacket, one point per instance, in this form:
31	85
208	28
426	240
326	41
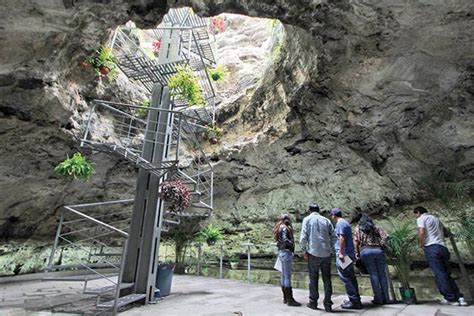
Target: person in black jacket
283	235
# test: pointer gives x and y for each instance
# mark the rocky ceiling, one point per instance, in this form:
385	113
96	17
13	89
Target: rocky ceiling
368	99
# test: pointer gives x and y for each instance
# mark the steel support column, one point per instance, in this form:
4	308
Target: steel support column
143	247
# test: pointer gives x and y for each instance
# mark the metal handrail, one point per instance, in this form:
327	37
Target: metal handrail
121	232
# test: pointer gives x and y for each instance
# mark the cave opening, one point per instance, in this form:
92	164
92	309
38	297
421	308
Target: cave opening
239	51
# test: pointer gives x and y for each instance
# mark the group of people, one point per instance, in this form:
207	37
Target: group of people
319	238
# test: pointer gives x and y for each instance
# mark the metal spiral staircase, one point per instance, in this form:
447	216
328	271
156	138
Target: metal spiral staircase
119	240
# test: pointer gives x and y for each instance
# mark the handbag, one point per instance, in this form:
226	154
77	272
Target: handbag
278	264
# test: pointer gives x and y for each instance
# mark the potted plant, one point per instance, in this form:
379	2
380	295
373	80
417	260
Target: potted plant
400	249
213	133
76	167
217	73
210	234
234	262
216	25
185	84
176	193
104	62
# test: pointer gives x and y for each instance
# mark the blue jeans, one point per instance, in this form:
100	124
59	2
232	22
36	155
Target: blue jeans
438	260
286	257
348	277
374	260
314	265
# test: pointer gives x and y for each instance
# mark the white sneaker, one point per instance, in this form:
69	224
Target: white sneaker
446	302
462	302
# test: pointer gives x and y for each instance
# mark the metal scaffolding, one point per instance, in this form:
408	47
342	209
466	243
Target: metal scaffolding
163	140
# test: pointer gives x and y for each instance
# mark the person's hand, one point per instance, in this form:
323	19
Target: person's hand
306	256
357	255
341	257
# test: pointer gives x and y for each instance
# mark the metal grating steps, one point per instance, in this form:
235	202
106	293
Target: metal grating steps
122	301
106	289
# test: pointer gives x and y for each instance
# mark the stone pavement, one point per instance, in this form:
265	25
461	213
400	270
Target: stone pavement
196	296
200	296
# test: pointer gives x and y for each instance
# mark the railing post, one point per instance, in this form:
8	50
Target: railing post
220	261
92	109
199	260
464	273
248	244
56	240
119	277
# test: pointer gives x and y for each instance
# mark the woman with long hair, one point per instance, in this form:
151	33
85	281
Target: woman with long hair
369	241
283	235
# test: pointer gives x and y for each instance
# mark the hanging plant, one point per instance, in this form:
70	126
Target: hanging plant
216	25
217	73
210	234
104	62
213	133
176	193
76	167
185	84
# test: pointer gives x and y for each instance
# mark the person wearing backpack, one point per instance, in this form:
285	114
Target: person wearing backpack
369	241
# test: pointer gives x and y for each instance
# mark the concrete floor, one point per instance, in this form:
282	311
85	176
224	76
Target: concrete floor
196	296
200	296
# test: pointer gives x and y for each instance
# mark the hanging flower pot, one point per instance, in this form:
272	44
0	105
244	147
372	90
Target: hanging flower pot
213	133
210	235
104	62
213	140
211	242
104	70
176	193
217	73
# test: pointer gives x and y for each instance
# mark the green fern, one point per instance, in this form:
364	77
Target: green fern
76	167
185	84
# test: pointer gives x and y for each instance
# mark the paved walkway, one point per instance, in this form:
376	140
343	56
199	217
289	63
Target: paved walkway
200	296
196	296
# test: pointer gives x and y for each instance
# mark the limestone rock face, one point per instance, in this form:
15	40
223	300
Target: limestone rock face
366	100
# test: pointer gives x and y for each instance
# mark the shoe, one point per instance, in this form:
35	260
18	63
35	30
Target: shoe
312	305
285	300
377	302
390	302
351	305
462	302
328	308
446	302
289	297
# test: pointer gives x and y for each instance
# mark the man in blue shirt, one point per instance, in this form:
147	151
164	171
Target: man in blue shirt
344	251
317	241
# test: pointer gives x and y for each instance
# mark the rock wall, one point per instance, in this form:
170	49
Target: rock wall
367	99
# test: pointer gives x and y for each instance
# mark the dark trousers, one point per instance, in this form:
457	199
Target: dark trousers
349	279
374	260
438	260
314	265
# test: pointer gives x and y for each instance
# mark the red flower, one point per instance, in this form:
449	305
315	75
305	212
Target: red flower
217	25
156	45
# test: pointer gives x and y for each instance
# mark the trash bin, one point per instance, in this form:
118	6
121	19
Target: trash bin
164	278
